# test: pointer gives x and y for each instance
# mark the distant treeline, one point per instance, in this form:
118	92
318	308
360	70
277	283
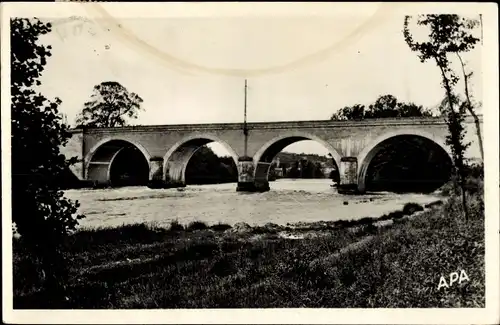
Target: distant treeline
302	165
289	158
205	167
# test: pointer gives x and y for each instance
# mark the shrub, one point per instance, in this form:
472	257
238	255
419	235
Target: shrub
196	225
411	208
367	229
474	185
396	215
344	223
365	221
384	217
448	189
220	227
176	226
475	171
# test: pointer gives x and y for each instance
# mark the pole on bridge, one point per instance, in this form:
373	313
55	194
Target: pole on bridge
245	128
246	169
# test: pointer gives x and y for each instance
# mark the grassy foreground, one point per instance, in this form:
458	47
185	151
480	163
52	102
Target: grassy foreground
334	265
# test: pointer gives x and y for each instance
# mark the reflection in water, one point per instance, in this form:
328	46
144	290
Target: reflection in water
289	201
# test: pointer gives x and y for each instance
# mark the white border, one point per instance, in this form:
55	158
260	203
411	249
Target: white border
490	314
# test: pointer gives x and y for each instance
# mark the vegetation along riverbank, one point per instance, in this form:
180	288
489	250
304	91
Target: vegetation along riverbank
396	260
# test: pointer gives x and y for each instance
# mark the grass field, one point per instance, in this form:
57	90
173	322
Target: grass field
340	264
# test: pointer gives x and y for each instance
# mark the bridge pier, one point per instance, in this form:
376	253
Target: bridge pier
156	178
156	173
261	178
248	176
348	170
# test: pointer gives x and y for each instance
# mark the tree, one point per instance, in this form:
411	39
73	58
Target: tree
110	105
356	112
205	167
470	107
412	110
448	34
40	212
385	106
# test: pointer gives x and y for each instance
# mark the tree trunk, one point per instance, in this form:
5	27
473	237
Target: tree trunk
471	110
464	203
458	164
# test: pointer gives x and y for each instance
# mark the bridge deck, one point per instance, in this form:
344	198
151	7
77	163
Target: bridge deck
280	124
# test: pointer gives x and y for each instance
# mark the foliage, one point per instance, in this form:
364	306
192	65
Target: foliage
220	227
40	212
410	208
303	168
312	165
470	106
356	112
176	226
205	167
196	225
385	106
111	103
474	183
448	34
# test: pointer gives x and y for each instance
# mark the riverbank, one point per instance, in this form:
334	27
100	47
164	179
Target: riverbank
394	262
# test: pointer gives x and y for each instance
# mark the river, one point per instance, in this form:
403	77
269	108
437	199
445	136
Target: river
289	201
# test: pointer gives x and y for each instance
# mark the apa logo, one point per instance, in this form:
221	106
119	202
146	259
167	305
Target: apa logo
454	277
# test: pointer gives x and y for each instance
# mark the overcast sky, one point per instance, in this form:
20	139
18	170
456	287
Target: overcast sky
183	67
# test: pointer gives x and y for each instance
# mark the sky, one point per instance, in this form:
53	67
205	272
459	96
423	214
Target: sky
192	70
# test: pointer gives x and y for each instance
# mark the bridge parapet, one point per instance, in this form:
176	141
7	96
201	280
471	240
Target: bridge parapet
279	125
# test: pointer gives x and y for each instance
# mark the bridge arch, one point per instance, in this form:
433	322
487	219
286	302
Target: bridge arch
177	157
112	159
264	156
370	151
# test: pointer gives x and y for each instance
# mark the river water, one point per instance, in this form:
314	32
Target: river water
289	201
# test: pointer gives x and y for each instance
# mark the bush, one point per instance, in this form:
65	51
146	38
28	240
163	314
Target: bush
384	217
344	223
176	226
220	227
396	215
474	181
196	225
263	230
411	208
366	221
367	229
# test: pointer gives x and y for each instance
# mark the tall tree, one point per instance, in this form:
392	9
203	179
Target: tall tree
469	105
356	112
40	212
447	34
205	167
111	105
383	107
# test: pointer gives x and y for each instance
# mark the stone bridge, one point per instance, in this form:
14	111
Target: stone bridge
166	149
